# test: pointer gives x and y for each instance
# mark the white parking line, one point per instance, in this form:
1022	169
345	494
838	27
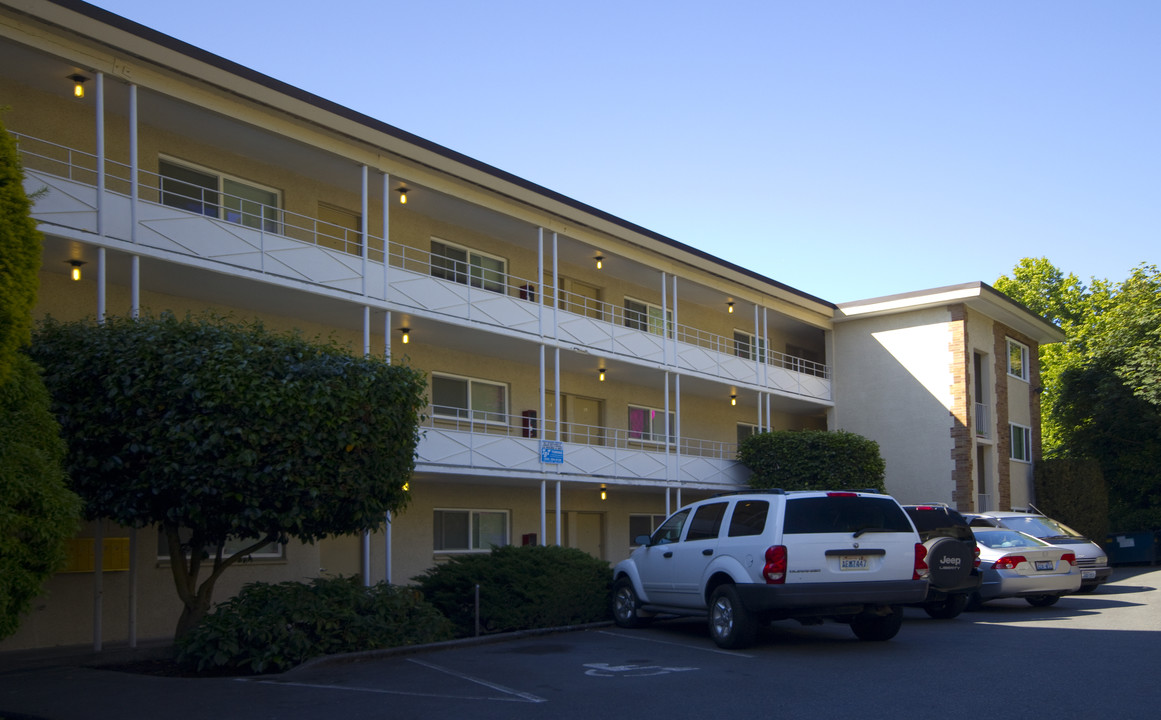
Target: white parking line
510	695
528	697
632	636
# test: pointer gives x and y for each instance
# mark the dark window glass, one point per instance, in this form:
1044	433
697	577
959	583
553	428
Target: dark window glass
844	514
188	189
749	518
670	530
706	522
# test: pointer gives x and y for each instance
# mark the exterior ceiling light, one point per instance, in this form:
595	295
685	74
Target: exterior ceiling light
730	307
78	85
76	271
406	333
402	195
600	261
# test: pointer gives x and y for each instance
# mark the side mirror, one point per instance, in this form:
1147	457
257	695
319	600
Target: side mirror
642	540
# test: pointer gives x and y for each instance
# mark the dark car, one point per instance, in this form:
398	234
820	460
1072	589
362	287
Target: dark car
952	556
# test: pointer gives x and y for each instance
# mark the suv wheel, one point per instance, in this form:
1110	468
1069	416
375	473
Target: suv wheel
1042	600
946	609
869	626
625	604
730	625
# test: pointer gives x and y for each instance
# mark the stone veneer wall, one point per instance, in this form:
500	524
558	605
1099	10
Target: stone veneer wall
962	457
1001	333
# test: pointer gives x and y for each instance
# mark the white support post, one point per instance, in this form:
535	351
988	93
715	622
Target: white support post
135	287
363	221
386	232
134	186
387	549
558	516
100	154
543	512
101	290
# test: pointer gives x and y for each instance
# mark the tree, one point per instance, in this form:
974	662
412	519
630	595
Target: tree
217	430
19	256
1102	385
813	460
37	512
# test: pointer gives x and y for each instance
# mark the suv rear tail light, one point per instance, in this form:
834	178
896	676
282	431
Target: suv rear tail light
976	562
775	570
1070	558
842	494
1009	562
921	570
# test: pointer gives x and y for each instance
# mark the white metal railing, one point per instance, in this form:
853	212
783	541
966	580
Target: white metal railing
81	167
531	427
983	420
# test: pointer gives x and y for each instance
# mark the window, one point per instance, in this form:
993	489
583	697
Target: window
340	229
648	424
643	525
641	315
843	514
1017	359
270	551
469	530
468	267
803	360
670	530
468	398
745	345
706	522
745	430
749	518
213	194
1021	443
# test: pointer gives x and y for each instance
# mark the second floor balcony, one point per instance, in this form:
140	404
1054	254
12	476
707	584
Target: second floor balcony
458	440
186	216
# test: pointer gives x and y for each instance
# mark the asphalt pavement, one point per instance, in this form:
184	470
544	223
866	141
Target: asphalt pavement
1088	655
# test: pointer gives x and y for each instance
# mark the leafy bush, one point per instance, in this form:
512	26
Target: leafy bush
521	587
272	628
1073	492
813	460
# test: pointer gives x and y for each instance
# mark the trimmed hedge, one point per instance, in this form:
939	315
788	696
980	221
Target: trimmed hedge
270	628
521	587
813	460
1073	492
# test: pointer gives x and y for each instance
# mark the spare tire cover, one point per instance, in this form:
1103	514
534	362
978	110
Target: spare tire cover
950	561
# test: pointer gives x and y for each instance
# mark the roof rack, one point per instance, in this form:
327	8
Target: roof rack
753	491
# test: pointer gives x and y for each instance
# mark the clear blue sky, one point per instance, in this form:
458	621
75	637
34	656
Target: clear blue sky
848	148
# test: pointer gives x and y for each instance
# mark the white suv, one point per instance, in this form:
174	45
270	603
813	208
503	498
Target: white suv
752	557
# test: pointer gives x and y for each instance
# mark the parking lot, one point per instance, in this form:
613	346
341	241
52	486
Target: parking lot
1088	656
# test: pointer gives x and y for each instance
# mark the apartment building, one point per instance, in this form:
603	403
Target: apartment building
947	382
586	375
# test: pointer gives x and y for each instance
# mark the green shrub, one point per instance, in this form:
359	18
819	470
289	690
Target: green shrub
813	460
1074	492
521	587
272	628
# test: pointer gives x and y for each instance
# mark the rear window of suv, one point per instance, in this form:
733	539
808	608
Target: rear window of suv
844	514
939	522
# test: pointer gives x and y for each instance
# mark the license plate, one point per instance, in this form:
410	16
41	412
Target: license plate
1088	574
854	562
1045	565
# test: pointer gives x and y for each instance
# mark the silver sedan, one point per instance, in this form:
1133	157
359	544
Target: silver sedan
1014	564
